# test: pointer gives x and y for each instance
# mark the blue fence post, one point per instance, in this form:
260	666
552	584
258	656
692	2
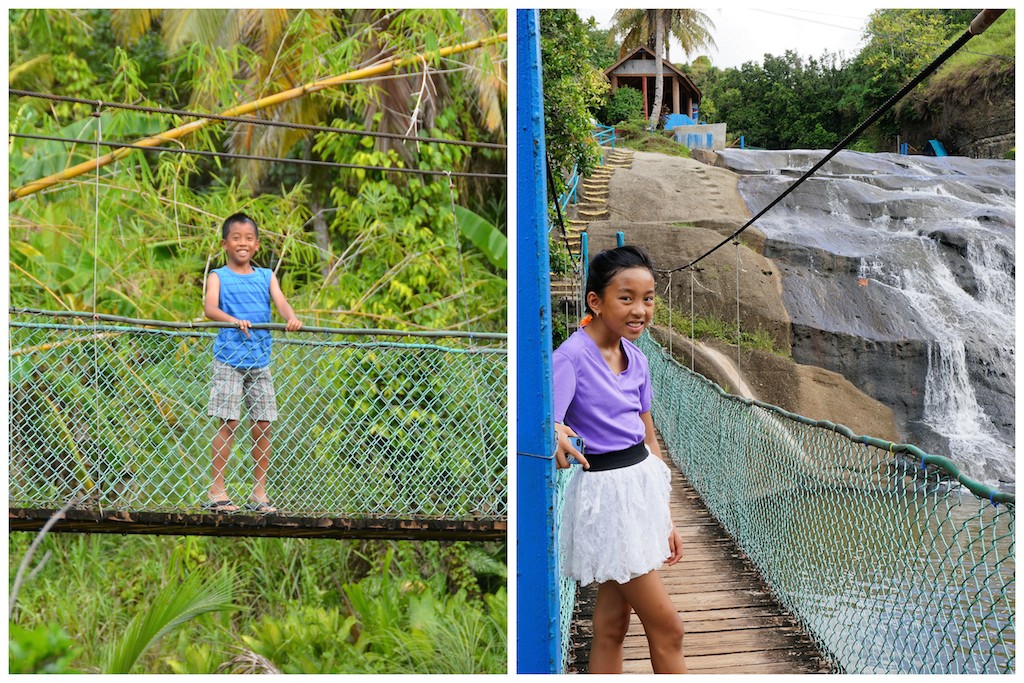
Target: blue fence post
742	145
537	641
620	238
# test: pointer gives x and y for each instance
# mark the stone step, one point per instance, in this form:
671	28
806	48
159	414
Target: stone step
595	214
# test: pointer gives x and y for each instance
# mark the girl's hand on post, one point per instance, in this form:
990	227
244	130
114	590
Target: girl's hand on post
675	547
565	449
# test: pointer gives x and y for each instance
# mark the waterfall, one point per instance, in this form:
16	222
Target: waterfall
930	329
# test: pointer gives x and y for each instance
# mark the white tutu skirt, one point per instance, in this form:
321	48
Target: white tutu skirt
615	524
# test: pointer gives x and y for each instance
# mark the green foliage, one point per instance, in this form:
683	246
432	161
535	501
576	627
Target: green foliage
788	102
484	235
317	606
572	88
603	50
625	105
45	649
147	249
177	603
710	327
634	135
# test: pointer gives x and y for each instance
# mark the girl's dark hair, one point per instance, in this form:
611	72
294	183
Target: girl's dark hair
237	218
607	264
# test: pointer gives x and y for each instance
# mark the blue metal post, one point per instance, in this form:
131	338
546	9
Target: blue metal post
742	146
537	647
620	238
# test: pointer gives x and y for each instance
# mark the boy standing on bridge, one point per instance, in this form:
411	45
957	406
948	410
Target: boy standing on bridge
240	293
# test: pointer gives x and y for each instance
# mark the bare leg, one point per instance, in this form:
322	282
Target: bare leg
611	620
662	625
221	451
261	459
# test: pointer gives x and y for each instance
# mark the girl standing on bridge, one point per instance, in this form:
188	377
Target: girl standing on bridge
616	525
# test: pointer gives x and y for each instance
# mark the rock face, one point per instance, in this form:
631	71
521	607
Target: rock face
803	389
677	209
898	273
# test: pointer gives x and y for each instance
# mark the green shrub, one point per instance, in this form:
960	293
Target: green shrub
625	104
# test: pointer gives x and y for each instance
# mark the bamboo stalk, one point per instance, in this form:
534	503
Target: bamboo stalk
25	350
241	110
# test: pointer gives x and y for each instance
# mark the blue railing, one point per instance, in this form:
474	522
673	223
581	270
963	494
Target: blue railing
605	135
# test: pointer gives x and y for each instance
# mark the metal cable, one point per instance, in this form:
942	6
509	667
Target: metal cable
253	121
255	157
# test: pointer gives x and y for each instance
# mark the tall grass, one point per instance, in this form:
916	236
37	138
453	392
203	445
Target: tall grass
299	606
710	327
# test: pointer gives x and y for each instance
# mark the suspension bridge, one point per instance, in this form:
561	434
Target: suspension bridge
812	548
381	433
107	417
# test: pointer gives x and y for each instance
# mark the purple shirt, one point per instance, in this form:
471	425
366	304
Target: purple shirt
602	407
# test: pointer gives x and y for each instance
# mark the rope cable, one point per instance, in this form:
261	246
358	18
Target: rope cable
888	104
693	343
558	208
465	307
98	114
255	121
738	338
256	157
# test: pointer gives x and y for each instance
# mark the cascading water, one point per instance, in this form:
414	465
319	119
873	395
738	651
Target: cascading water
899	273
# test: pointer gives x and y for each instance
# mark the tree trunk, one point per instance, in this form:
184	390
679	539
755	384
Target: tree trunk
659	51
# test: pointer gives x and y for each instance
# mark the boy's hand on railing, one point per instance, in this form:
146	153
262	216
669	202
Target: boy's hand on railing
293	324
244	326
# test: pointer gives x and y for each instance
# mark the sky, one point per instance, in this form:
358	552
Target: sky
746	34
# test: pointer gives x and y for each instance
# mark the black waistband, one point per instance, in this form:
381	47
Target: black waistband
614	460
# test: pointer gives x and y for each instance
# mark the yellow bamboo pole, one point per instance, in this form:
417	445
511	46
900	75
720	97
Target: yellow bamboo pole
242	110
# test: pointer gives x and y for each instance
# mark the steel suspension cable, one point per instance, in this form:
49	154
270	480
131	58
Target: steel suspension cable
977	27
256	157
253	121
247	108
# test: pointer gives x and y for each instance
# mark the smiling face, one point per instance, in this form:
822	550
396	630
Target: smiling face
626	306
241	244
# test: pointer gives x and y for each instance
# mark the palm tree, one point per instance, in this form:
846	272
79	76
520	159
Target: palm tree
652	27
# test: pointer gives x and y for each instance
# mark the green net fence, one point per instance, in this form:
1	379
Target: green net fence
892	560
369	424
566	585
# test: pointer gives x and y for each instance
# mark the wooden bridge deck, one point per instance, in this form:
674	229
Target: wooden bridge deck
733	624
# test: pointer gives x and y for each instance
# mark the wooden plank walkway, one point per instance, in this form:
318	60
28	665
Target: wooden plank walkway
733	624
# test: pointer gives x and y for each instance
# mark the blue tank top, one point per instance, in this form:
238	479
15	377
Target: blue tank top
246	297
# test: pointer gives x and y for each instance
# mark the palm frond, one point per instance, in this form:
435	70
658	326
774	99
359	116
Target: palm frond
131	24
173	606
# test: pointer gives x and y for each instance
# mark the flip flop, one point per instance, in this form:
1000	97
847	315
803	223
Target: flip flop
260	506
220	506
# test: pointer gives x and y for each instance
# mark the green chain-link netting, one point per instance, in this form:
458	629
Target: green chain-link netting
368	426
891	560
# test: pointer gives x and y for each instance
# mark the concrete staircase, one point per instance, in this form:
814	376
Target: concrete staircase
592	206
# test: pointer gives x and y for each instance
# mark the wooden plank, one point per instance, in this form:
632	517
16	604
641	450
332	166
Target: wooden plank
244	523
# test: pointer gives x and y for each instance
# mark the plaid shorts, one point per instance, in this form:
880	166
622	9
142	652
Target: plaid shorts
232	386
